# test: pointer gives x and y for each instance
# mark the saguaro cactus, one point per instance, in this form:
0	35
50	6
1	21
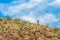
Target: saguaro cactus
37	21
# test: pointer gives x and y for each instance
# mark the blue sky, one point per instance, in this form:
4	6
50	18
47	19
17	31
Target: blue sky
47	11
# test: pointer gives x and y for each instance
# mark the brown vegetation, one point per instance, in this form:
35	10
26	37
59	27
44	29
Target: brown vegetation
18	30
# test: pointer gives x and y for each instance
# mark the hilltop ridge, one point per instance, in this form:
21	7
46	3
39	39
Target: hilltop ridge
16	29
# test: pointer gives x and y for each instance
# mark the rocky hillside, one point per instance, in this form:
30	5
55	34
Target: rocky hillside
15	29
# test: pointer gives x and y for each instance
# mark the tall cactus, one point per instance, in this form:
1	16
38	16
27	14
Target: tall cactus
37	21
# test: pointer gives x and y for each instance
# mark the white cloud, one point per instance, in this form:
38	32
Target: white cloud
55	3
45	19
29	17
33	6
33	3
13	10
48	18
16	9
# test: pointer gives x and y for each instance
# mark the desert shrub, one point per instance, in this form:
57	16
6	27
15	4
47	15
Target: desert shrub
7	28
56	31
5	22
26	28
1	19
20	28
32	38
2	28
16	38
17	22
20	34
16	19
58	36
